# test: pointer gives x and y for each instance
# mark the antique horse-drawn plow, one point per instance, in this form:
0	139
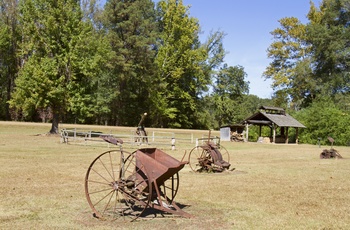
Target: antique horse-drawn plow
141	134
209	157
119	184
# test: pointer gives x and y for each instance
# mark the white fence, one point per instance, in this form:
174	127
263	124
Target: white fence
89	137
154	138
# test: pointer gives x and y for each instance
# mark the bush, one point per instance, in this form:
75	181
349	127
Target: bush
324	119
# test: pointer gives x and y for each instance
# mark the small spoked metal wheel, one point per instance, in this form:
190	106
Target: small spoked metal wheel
117	186
169	188
224	153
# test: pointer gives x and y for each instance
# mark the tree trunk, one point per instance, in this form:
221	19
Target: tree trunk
55	120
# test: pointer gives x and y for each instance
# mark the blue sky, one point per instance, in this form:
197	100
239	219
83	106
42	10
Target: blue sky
247	24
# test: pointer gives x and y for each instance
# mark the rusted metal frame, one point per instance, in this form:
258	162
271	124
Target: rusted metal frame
205	161
160	204
130	196
215	155
161	171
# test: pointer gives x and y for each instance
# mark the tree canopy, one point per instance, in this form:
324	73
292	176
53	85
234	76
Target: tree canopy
73	61
61	56
179	61
311	60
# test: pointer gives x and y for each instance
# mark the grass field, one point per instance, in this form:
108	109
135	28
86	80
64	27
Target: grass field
273	186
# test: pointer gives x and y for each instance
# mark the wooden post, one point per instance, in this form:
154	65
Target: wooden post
282	131
259	130
271	131
173	143
287	135
296	135
274	133
247	131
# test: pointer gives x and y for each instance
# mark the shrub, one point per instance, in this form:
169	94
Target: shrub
324	119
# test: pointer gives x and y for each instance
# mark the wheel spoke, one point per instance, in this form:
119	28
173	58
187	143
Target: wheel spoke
96	203
107	170
109	201
99	191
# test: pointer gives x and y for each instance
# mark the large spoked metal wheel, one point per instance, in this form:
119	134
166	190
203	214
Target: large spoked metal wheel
199	159
117	186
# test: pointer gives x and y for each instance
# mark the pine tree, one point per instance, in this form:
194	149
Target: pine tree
132	32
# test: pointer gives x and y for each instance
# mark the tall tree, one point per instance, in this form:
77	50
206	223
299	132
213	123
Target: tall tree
62	57
329	34
215	52
179	60
312	60
290	69
132	31
204	116
9	63
228	90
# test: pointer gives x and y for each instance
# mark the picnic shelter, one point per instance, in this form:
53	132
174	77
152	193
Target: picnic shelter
278	120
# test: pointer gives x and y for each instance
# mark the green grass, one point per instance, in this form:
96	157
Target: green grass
272	187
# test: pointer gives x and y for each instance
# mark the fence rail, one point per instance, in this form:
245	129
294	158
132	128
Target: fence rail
88	137
202	140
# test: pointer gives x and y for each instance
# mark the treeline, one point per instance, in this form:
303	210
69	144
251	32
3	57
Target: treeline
73	61
82	62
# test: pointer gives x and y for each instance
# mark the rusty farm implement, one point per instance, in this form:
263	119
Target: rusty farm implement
209	157
119	184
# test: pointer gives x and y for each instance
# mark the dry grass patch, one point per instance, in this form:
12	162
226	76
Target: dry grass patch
272	187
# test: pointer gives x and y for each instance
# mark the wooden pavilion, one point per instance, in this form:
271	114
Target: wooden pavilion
277	119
